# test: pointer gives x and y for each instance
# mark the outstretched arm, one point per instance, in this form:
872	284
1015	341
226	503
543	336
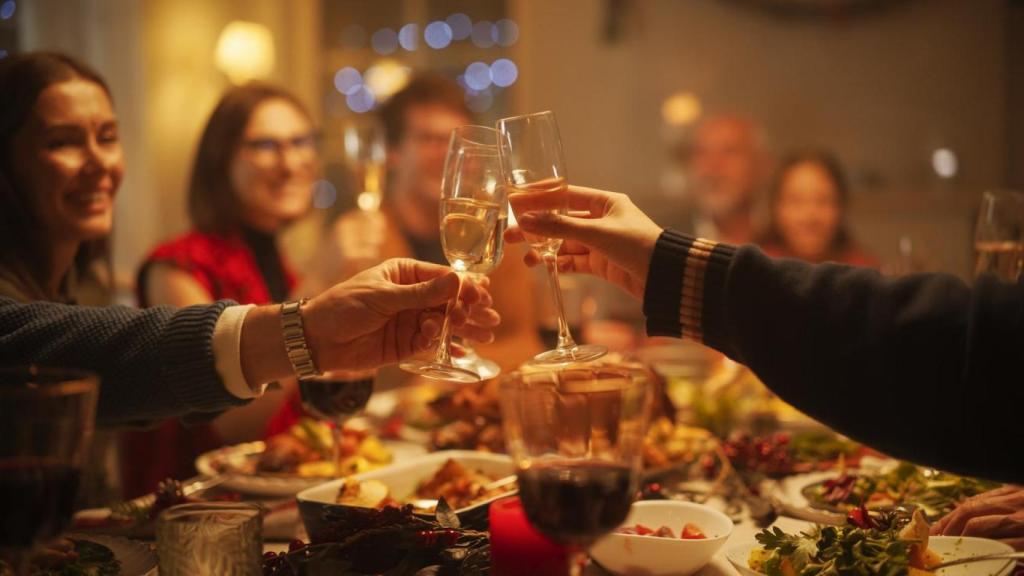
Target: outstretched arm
922	367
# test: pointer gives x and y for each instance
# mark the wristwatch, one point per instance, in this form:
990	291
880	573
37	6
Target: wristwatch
295	344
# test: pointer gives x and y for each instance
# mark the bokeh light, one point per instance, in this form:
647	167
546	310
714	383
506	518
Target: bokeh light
3	53
478	76
353	36
324	194
245	51
360	101
461	26
438	35
680	109
384	41
505	32
945	163
483	34
7	9
479	101
409	36
347	80
386	77
504	72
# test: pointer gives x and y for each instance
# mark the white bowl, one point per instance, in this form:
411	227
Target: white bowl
629	554
403	479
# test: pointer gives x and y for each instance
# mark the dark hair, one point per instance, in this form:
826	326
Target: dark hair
834	170
423	90
24	249
212	200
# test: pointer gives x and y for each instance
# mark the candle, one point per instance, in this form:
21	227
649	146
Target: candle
517	548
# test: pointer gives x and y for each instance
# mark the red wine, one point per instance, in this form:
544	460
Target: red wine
36	500
576	502
335	399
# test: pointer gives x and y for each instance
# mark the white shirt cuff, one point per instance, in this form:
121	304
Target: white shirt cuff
227	342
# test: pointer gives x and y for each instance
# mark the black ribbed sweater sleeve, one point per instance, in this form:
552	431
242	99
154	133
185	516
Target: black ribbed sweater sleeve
922	367
153	363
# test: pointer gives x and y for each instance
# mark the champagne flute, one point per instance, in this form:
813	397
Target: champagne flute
576	437
999	235
472	202
532	163
46	423
365	154
485	141
335	397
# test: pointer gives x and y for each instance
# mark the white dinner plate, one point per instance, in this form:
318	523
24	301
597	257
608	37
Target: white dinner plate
136	558
947	547
231	457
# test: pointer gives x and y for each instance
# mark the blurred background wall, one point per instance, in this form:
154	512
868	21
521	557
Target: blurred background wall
884	87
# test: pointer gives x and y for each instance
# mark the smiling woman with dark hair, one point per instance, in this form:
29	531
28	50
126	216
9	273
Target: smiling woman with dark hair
61	164
252	176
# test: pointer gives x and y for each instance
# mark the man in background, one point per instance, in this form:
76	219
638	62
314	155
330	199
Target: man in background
418	121
727	167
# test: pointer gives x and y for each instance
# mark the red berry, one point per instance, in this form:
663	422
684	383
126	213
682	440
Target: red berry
296	545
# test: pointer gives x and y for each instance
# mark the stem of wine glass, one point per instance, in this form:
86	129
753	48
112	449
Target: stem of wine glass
466	346
565	340
336	447
444	347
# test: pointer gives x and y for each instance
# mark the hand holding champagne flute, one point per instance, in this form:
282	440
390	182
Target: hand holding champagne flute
473	206
532	163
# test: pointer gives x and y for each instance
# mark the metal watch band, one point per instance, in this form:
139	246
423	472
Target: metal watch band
295	345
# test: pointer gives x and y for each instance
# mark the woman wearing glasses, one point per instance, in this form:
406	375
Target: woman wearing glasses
253	175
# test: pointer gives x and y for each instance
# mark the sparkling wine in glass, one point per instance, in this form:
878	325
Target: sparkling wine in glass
532	163
365	155
335	397
473	201
46	423
484	142
999	235
576	436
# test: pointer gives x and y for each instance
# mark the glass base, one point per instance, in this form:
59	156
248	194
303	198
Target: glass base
483	367
573	354
436	371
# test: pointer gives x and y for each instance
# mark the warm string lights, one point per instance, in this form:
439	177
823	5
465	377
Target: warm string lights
364	90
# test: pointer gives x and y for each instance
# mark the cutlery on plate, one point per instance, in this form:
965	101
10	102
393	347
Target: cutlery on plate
982	558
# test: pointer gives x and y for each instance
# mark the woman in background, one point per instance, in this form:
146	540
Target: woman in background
253	176
61	165
809	199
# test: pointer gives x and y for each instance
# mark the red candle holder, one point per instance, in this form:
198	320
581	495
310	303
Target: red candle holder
517	548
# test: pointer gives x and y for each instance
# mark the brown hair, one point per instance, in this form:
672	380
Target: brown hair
842	240
24	249
424	90
212	199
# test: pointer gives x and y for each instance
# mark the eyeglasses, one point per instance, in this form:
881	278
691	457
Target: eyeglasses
279	146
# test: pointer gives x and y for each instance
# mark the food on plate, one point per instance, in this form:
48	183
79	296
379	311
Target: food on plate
935	493
458	485
669	444
878	545
690	531
472	419
74	557
783	454
305	450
